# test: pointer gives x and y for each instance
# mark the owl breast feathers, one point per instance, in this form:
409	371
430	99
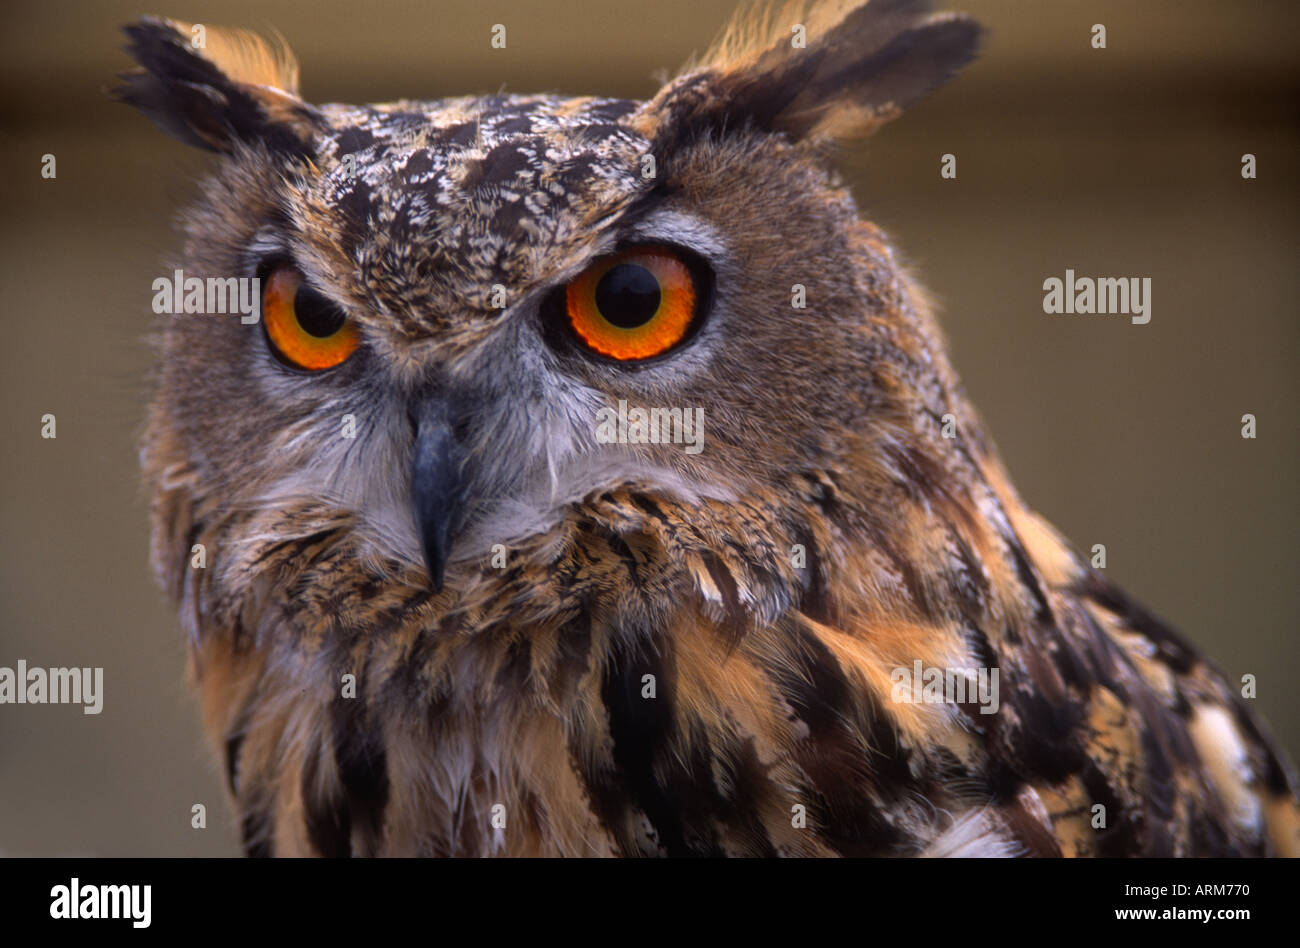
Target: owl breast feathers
458	596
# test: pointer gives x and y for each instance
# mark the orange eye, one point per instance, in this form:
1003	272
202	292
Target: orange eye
306	330
634	304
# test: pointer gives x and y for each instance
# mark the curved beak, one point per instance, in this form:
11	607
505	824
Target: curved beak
436	485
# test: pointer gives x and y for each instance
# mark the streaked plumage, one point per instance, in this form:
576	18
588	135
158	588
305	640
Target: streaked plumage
521	687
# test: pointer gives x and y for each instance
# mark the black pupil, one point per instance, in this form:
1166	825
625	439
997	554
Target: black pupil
316	315
628	295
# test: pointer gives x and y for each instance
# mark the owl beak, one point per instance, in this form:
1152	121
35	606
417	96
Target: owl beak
435	485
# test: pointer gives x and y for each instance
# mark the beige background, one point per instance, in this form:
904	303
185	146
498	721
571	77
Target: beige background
1122	162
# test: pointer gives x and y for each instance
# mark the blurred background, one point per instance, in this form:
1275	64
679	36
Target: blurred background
1118	162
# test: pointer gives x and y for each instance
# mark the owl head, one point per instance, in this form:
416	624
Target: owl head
482	318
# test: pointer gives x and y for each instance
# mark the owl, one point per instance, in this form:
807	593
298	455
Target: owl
590	479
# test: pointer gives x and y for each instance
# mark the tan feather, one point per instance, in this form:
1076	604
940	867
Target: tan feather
758	26
243	55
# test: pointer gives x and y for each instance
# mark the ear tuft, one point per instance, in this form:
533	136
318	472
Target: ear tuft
860	63
247	58
214	87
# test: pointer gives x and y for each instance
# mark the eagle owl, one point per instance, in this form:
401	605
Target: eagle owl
593	481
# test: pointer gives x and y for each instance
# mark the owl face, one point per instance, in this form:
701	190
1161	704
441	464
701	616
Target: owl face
458	296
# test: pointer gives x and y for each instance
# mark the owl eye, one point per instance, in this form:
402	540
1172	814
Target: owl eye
306	331
635	304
